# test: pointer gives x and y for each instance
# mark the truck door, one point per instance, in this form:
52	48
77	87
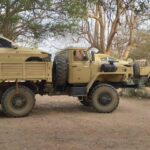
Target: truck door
79	68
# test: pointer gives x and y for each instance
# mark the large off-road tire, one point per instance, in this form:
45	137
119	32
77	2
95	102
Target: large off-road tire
105	98
60	70
84	101
136	70
17	103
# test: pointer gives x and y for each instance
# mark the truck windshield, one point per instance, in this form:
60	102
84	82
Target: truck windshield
4	43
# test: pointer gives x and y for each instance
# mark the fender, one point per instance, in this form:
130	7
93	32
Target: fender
111	76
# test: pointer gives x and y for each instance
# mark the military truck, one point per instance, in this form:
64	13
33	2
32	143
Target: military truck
11	52
73	72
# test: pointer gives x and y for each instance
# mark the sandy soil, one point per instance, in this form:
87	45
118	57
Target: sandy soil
62	123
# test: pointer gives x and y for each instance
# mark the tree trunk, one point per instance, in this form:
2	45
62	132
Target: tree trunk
131	25
114	25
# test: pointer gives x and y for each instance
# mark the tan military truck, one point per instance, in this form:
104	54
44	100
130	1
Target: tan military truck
71	73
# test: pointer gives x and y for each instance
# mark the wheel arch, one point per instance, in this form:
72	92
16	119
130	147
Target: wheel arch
97	79
33	58
33	87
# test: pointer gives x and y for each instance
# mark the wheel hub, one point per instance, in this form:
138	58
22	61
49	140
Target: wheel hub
18	101
105	99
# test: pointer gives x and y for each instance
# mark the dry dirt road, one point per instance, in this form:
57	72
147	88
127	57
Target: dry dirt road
62	123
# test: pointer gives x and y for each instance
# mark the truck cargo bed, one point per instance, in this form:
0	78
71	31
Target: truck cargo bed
26	71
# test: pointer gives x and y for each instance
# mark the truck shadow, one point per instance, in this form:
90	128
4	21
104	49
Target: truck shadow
2	115
66	109
47	109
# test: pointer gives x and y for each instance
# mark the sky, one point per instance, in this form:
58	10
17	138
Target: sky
53	45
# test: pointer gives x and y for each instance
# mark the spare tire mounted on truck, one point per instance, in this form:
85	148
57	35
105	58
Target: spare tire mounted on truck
60	70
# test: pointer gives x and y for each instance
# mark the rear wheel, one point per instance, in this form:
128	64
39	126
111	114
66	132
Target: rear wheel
17	103
105	98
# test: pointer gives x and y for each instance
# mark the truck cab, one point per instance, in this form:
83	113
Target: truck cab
81	69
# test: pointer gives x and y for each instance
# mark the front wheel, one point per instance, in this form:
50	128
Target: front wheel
105	98
17	102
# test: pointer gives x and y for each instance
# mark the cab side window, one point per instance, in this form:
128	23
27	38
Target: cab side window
80	55
4	43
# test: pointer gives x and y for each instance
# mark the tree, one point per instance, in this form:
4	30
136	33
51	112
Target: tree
106	19
23	17
108	25
33	18
135	15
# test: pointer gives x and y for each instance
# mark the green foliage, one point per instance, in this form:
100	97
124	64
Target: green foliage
61	28
141	92
34	18
23	17
36	29
76	8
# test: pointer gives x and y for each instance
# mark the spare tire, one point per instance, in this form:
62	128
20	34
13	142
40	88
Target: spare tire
60	70
136	70
108	68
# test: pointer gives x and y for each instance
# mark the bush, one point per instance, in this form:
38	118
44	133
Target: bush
141	92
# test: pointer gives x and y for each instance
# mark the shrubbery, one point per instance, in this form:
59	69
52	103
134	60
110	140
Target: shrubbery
141	92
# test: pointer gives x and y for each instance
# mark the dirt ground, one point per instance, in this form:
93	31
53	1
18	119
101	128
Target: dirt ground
62	123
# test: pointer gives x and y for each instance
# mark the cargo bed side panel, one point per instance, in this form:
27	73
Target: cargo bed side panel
26	71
